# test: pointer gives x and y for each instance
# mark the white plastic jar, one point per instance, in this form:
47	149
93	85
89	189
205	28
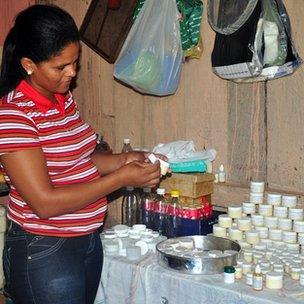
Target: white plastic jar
296	214
257	187
280	211
274	280
257	220
289	237
263	231
285	224
219	231
256	198
289	201
265	209
248	208
298	226
252	237
244	223
224	221
235	211
271	222
235	234
274	199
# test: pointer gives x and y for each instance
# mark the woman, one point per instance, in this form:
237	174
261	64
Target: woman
57	202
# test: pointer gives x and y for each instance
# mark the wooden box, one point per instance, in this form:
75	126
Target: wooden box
105	29
190	185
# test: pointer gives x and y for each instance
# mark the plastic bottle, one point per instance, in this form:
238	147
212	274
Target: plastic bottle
160	212
257	279
190	221
229	274
147	208
174	216
126	146
222	174
129	208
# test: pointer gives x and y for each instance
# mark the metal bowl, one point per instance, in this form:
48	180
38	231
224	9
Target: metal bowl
197	259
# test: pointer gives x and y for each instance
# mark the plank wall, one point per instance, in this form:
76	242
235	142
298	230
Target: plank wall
257	129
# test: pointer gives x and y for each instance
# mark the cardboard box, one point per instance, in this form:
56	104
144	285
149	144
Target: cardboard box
190	185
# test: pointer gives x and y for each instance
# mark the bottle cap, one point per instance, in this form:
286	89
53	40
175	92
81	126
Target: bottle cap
229	269
221	168
258	269
126	140
160	191
175	193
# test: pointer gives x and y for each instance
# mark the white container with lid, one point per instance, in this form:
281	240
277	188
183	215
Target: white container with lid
252	237
268	242
235	211
265	209
274	199
260	246
295	248
274	280
244	223
289	201
289	237
295	272
302	278
296	214
235	234
263	231
246	267
257	220
244	245
298	226
248	208
256	198
280	211
271	222
257	187
219	231
248	255
224	221
275	234
285	224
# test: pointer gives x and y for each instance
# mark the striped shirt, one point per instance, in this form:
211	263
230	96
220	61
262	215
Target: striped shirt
29	120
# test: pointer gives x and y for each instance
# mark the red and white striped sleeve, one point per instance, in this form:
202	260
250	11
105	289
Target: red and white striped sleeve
17	130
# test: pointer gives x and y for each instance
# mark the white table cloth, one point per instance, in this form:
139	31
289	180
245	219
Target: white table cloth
145	282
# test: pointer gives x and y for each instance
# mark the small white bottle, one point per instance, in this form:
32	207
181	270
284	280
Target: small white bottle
222	174
126	146
257	278
229	274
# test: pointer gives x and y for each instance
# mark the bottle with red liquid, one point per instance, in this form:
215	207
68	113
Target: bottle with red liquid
147	208
174	219
160	212
190	221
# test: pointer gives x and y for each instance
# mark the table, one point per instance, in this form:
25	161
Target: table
146	282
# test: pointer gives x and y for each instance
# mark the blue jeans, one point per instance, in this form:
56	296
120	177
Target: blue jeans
51	270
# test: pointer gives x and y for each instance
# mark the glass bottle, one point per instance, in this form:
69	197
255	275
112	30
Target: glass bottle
126	146
147	207
174	216
160	212
129	207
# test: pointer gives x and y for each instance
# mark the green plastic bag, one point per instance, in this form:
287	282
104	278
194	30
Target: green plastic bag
190	23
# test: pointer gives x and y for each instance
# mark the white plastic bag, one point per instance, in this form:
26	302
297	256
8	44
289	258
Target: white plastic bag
151	58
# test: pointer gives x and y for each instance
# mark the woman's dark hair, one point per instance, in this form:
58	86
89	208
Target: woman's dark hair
39	33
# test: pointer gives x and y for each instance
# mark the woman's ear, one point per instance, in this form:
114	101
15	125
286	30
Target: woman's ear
28	65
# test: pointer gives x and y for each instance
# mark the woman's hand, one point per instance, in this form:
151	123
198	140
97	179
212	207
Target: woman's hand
140	174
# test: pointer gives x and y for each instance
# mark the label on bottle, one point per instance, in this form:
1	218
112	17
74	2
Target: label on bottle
257	282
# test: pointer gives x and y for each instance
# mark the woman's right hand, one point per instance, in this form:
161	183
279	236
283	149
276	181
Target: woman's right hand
140	174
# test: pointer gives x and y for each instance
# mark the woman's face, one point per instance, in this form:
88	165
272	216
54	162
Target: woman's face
55	75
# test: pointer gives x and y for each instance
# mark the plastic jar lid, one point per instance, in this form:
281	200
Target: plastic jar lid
160	191
139	227
229	269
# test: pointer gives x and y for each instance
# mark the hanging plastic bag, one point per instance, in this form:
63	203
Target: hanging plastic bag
151	58
253	40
